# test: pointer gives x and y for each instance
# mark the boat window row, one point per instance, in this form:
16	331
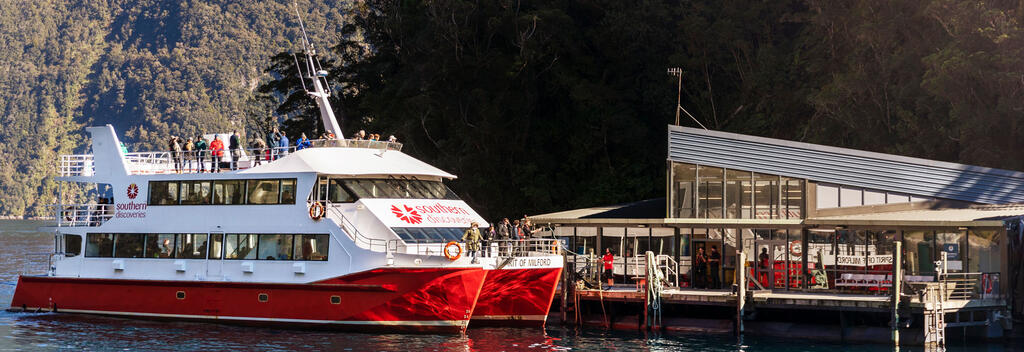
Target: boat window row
349	190
429	234
222	192
217	246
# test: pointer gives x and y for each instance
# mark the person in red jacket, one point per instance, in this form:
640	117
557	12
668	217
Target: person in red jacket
608	259
216	152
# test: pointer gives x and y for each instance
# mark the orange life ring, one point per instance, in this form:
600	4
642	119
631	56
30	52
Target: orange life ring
316	211
447	252
796	248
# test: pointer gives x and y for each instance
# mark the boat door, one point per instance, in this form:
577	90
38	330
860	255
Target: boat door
214	261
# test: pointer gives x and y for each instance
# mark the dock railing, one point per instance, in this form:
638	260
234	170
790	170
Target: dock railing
77	215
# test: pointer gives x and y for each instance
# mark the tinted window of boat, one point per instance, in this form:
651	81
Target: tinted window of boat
399	188
288	191
99	245
195	192
238	246
275	247
216	245
129	245
160	245
311	247
190	246
229	192
163	192
72	245
263	191
429	234
337	192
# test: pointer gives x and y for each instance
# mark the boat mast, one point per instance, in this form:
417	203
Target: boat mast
316	73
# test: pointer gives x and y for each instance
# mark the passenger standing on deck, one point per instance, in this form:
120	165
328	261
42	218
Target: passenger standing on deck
472	239
201	153
272	140
258	148
175	153
190	155
282	146
762	264
700	264
714	263
609	261
361	135
236	149
503	229
302	143
216	153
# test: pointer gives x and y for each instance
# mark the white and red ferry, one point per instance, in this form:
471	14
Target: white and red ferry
346	234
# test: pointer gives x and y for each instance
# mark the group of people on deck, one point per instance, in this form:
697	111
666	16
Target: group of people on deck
500	231
191	154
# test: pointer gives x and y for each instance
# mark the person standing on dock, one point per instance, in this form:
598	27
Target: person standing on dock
609	260
236	149
201	153
714	264
700	262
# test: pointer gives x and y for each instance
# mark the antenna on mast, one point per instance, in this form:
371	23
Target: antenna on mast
321	90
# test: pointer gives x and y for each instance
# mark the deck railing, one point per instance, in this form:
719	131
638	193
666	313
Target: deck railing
76	215
361	240
162	162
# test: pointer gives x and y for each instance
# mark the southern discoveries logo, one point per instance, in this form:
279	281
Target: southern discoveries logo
432	214
131	210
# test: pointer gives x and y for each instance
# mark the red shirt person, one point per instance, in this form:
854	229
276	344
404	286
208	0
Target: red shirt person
608	259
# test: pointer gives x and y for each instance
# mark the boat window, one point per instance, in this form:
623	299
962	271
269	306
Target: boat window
128	245
99	245
195	192
163	192
228	192
275	247
263	191
337	192
72	245
239	246
216	245
190	246
159	245
429	234
398	189
311	247
288	191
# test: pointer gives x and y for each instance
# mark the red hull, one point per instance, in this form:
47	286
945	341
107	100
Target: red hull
516	297
393	299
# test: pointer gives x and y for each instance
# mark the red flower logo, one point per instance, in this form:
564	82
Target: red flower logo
133	191
407	214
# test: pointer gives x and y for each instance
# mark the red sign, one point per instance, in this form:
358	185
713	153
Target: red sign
407	214
133	191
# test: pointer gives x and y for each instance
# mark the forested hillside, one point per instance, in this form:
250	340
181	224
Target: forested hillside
536	105
151	68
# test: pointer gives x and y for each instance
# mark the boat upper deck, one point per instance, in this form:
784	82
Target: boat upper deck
169	162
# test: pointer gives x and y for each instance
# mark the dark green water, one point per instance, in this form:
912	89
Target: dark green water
67	331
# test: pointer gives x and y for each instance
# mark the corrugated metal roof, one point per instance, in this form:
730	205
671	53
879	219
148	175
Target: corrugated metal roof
994	215
893	173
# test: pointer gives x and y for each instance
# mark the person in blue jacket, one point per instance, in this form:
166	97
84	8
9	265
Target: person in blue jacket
302	143
282	145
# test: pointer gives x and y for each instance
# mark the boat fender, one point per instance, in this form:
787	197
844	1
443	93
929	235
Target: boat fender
448	251
316	211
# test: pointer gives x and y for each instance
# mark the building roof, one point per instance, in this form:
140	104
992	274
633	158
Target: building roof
644	209
914	176
981	215
350	162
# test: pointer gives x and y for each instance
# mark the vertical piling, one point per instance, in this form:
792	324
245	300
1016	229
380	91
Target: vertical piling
897	286
741	291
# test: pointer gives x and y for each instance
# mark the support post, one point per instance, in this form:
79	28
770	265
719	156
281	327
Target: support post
741	291
897	286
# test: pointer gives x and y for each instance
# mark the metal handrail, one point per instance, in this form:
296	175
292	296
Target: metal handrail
77	165
357	236
79	215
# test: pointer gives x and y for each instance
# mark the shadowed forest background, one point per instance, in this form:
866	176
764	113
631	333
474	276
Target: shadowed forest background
538	106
